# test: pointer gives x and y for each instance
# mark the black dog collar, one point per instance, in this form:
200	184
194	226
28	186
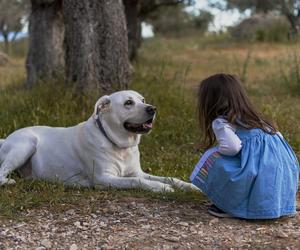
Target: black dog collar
100	126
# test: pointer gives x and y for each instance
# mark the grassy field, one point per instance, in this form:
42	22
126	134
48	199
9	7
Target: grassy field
167	74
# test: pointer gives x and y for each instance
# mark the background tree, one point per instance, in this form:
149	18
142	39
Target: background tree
170	21
289	8
269	27
255	6
136	12
45	58
13	15
92	33
202	20
96	44
175	21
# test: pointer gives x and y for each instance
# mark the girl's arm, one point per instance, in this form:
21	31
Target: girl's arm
228	142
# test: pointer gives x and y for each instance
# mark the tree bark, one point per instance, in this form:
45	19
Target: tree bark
290	15
6	43
132	9
294	22
96	45
136	11
45	58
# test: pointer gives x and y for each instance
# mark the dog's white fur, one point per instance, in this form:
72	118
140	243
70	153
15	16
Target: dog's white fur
82	155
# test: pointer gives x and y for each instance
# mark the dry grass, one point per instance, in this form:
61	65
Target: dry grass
270	72
12	73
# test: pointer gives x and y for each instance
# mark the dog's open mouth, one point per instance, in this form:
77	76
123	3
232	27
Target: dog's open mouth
139	128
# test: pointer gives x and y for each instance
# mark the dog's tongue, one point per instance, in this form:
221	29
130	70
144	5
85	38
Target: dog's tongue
147	125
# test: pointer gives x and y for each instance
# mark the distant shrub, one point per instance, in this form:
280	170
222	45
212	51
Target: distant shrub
262	28
175	21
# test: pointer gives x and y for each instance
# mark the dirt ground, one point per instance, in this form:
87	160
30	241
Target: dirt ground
142	223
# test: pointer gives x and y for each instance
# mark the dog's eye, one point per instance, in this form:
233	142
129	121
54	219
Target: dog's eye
128	103
143	100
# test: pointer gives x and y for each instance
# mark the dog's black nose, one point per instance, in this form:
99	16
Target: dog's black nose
151	110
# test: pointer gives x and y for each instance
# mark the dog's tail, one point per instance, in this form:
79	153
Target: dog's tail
1	142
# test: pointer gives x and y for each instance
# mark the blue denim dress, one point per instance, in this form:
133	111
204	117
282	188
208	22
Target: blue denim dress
260	182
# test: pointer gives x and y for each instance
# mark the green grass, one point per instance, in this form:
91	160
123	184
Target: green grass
167	74
169	150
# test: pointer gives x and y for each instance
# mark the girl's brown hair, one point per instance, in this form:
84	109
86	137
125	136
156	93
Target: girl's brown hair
223	95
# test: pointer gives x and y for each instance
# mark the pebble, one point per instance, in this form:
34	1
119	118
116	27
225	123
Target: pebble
213	221
182	223
282	235
46	243
73	247
170	238
150	225
77	224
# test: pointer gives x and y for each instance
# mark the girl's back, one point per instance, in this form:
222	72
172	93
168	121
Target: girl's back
253	173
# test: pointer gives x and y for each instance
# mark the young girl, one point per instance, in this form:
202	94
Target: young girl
252	173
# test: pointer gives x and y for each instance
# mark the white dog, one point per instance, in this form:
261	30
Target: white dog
101	152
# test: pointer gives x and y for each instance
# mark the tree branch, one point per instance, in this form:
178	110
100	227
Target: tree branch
43	1
147	6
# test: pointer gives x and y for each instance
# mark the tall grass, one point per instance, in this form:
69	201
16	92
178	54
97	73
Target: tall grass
169	150
167	74
17	49
290	72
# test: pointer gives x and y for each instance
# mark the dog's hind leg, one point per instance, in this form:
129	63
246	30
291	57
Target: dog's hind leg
13	156
1	142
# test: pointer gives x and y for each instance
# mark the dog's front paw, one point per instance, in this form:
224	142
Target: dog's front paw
168	189
164	188
185	185
7	181
191	187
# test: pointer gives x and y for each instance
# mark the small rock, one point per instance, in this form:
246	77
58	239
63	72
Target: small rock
182	223
107	247
40	248
146	226
282	235
102	224
46	243
78	224
214	221
70	211
166	247
73	247
170	238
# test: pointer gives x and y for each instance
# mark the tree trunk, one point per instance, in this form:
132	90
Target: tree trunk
294	22
290	15
45	59
6	43
132	8
96	45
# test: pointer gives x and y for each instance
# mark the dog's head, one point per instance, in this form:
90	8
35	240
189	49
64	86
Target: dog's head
125	116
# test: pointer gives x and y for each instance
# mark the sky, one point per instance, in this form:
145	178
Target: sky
222	19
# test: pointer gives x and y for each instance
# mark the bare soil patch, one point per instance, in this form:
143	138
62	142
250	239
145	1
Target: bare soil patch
142	223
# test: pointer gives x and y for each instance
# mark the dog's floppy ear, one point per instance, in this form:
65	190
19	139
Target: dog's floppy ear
102	106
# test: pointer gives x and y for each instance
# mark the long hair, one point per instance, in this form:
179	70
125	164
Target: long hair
223	95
